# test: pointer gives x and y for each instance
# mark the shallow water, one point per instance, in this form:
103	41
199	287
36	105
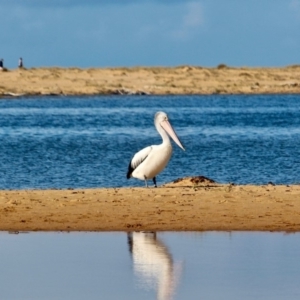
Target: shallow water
88	141
90	266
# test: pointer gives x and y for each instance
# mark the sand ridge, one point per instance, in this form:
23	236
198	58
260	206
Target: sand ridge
150	80
184	205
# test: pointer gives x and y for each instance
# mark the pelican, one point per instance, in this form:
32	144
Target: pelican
150	161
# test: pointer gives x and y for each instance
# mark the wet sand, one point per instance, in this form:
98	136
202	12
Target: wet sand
187	205
153	80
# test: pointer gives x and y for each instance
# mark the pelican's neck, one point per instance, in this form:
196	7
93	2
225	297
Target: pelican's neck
163	134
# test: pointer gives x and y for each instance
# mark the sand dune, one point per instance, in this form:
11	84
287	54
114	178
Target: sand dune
152	80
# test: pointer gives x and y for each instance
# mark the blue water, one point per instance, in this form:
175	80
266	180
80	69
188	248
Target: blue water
73	142
174	266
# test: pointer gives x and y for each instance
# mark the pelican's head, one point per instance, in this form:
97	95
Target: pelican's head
161	119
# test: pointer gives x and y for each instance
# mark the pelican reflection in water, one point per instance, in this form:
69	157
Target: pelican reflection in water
153	264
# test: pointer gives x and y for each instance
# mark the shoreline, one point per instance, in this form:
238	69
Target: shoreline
181	80
188	204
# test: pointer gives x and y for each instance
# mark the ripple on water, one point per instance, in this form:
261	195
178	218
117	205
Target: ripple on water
89	141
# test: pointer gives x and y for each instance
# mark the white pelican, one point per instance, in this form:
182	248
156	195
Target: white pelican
150	161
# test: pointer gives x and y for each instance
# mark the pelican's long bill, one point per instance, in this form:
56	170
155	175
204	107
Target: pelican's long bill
169	129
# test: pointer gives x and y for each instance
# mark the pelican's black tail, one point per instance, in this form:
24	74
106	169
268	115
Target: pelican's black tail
129	172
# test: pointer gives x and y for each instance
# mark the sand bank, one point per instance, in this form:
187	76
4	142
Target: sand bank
188	204
152	80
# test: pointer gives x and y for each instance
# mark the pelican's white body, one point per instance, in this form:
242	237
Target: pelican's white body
157	158
150	161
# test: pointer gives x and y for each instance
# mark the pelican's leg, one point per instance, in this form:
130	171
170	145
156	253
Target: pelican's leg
146	181
154	181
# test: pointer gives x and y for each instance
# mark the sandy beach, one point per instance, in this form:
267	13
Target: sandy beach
189	204
153	80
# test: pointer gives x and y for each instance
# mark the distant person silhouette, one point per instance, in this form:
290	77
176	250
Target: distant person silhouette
20	65
1	64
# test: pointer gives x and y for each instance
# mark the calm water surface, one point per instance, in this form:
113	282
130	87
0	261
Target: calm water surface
147	266
89	141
